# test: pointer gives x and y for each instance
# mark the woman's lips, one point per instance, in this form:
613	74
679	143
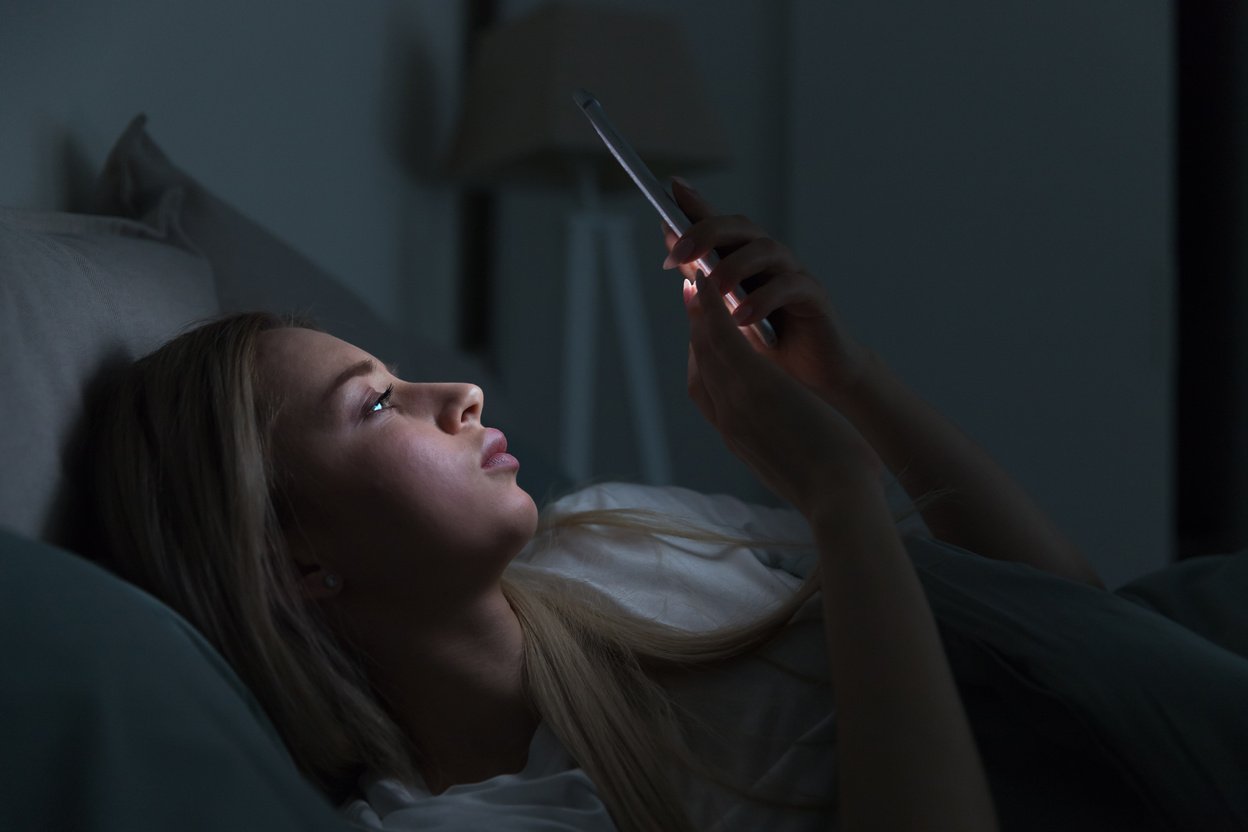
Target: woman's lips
501	461
494	454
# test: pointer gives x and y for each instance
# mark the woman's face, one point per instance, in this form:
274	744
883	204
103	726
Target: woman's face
388	493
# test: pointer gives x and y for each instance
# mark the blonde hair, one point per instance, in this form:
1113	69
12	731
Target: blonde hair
189	499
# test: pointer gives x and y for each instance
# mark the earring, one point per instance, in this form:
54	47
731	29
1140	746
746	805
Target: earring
331	581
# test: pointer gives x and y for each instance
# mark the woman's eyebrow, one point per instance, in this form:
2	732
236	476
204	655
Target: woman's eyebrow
361	368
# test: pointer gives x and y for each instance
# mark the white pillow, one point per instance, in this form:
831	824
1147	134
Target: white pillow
686	583
79	296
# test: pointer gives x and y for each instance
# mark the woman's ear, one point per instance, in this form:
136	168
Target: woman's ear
318	584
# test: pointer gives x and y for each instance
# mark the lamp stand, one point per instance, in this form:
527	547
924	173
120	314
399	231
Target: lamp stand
597	239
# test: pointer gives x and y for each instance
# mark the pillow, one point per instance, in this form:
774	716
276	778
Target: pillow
685	583
1207	595
253	269
690	584
118	715
79	296
1091	711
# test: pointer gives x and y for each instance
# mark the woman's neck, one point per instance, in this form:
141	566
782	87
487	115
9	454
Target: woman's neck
456	688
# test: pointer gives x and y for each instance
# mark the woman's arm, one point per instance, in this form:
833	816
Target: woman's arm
988	513
901	728
907	759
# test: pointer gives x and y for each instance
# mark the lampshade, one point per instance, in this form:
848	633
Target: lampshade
520	125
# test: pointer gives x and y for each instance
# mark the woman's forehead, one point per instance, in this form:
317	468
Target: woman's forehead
303	359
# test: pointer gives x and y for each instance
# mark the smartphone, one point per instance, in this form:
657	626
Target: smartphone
662	201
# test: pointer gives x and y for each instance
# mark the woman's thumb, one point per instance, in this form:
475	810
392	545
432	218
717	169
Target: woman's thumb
710	306
710	301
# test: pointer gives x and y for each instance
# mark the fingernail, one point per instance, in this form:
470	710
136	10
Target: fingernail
684	183
742	312
679	254
682	251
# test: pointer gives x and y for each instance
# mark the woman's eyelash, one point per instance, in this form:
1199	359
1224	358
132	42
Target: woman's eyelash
383	401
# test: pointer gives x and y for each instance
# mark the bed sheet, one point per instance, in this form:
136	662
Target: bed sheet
1091	710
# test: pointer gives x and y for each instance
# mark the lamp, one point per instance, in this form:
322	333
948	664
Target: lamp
519	126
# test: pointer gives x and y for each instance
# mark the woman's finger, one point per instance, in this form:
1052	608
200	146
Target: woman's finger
721	234
762	256
689	271
794	292
717	380
709	230
722	351
695	206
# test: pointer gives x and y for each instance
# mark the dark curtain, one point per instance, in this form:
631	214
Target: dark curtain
1212	171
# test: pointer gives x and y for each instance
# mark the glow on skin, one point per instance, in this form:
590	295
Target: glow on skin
388	494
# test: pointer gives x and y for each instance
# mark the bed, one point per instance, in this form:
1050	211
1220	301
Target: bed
117	714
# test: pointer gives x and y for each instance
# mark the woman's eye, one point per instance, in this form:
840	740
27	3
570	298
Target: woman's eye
383	401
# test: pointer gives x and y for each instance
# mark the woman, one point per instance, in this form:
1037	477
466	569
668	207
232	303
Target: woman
268	481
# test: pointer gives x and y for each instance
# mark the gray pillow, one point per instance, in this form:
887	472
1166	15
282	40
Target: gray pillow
1091	711
254	269
79	295
115	714
1207	595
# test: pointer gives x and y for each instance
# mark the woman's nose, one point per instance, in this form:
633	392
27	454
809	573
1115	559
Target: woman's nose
464	404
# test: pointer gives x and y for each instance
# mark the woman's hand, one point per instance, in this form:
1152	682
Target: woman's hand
797	444
812	346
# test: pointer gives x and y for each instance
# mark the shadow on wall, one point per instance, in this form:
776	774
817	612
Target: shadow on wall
66	173
409	103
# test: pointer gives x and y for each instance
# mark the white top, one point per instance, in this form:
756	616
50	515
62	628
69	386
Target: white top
779	729
549	795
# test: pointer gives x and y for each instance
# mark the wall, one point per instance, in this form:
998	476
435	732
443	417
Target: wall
742	66
318	120
986	187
